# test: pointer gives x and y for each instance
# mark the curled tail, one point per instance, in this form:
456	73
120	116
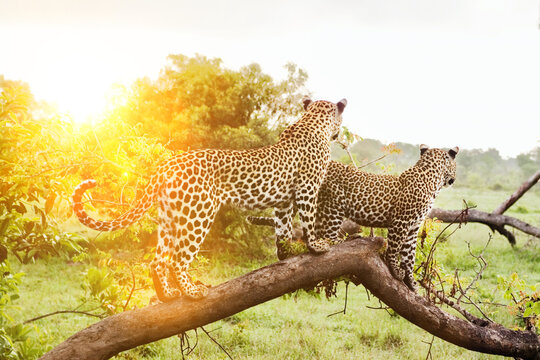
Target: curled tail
261	220
143	203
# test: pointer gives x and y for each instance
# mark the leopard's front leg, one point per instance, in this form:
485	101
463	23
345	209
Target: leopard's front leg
402	243
408	256
395	238
396	235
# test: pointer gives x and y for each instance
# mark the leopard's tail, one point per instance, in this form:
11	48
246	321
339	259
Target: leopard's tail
142	204
261	220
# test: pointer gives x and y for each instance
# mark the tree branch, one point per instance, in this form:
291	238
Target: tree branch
494	221
358	257
518	193
101	316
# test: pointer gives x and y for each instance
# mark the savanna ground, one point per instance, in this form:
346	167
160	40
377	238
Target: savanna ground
298	326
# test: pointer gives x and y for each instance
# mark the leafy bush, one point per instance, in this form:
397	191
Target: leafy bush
26	230
17	341
524	300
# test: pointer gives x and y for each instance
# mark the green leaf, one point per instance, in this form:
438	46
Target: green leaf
20	208
3	226
50	201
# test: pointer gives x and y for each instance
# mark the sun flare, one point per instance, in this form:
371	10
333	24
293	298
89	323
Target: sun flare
72	75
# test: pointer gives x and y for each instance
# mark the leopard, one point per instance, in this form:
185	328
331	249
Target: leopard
190	188
399	203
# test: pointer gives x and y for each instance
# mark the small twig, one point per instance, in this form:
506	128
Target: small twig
132	287
217	343
463	294
100	316
428	263
442	297
59	168
481	261
216	329
428	355
185	345
371	162
429	272
489	303
381	307
344	311
346	148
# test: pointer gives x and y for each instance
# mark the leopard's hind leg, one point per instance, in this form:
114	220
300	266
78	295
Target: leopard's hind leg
395	241
194	214
159	269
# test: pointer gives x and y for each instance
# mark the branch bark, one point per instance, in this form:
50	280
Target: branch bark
518	193
494	221
358	257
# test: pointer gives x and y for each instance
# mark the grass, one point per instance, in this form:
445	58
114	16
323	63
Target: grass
298	326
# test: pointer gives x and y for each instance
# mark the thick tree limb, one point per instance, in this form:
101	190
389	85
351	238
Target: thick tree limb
494	221
358	257
519	193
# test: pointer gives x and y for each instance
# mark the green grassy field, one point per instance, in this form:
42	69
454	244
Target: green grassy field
298	326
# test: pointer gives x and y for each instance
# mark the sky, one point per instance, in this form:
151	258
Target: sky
445	73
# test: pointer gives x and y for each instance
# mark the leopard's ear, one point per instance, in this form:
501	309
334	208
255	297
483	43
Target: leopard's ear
453	152
341	105
423	149
306	101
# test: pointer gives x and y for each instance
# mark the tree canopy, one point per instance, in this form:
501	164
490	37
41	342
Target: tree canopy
196	102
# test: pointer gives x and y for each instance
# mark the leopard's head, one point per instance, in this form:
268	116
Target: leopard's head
334	110
445	161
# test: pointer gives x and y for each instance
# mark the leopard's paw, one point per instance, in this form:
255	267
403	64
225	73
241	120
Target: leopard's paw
397	272
411	284
319	246
169	294
200	291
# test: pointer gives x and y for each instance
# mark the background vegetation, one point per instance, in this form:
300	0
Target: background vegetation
477	169
50	263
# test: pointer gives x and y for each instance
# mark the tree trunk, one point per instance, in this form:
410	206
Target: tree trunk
358	257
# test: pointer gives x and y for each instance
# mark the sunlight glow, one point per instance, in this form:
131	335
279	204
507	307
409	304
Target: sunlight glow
473	69
76	71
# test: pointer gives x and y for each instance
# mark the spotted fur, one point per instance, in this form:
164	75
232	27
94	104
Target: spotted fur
191	187
399	203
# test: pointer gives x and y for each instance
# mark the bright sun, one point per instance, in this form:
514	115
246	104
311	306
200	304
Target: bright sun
83	104
72	73
82	97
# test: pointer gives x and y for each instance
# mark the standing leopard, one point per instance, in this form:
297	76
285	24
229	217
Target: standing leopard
399	203
191	187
